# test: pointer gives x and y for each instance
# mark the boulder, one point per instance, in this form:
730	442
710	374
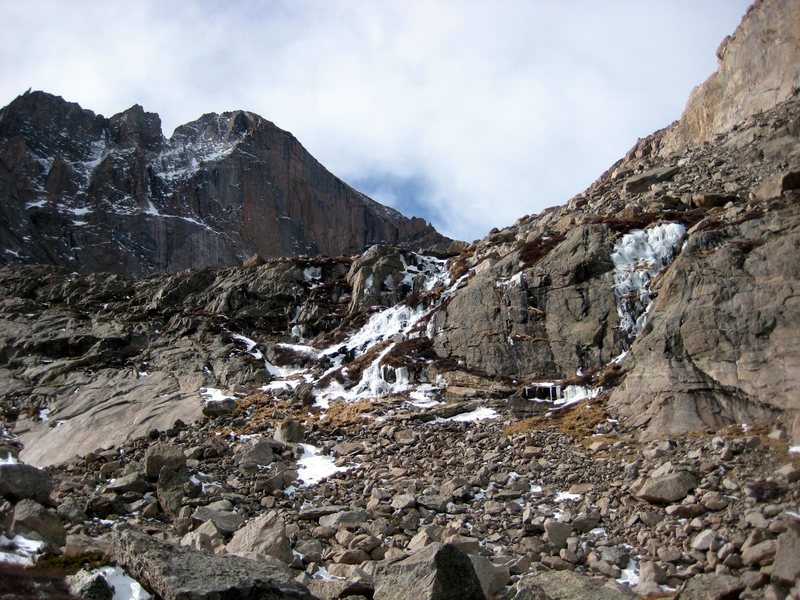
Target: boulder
19	482
565	585
710	586
225	520
290	432
162	455
437	572
218	408
493	577
179	573
255	454
90	585
786	568
170	489
669	488
266	535
34	521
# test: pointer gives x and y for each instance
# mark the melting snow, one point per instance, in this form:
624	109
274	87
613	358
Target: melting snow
125	587
249	344
210	394
313	467
19	549
566	497
638	257
576	393
10	459
630	574
794	449
479	414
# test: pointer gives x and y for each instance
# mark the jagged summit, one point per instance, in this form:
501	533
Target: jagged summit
97	194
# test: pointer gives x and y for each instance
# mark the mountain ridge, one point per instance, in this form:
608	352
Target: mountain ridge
223	188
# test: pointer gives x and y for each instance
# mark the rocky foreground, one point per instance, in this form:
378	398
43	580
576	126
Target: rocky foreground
536	508
596	401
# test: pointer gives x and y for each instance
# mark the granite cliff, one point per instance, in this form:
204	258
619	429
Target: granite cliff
96	194
597	400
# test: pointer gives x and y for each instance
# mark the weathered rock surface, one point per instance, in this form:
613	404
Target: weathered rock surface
21	482
758	69
438	572
179	573
263	535
114	195
565	585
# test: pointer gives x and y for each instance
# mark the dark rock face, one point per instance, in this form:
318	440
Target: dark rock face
178	573
438	572
97	194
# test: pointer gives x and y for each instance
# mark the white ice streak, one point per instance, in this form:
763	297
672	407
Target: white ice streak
124	586
313	467
576	393
19	549
638	257
249	344
479	414
209	394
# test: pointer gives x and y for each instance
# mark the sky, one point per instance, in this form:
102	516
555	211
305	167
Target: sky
468	113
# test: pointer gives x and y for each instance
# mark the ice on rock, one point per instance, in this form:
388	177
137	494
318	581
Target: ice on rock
313	467
638	257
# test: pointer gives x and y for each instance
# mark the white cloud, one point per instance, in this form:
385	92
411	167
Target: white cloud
492	109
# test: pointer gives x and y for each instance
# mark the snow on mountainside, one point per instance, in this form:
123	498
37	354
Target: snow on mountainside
97	194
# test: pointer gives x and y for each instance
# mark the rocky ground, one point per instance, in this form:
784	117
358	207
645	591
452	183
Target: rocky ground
527	500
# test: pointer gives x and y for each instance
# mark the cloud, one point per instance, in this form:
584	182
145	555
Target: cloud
465	112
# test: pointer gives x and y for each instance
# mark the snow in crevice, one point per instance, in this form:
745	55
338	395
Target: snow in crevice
638	257
314	466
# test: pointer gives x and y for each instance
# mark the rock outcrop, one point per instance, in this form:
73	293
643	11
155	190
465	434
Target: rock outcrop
95	194
757	71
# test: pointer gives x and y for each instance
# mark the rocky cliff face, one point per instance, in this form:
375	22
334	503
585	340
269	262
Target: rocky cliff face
97	194
524	403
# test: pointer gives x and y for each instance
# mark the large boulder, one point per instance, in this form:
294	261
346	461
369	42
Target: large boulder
266	535
669	488
437	572
162	455
20	482
565	585
34	521
180	573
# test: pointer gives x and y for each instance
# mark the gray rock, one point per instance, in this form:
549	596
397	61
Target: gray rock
493	577
90	585
134	482
668	488
20	482
347	518
162	455
290	432
218	408
265	534
170	489
437	572
179	573
565	585
225	521
557	532
34	521
70	510
709	586
643	181
256	454
786	568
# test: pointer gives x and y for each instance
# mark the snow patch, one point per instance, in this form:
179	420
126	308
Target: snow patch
313	467
19	549
125	587
209	394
